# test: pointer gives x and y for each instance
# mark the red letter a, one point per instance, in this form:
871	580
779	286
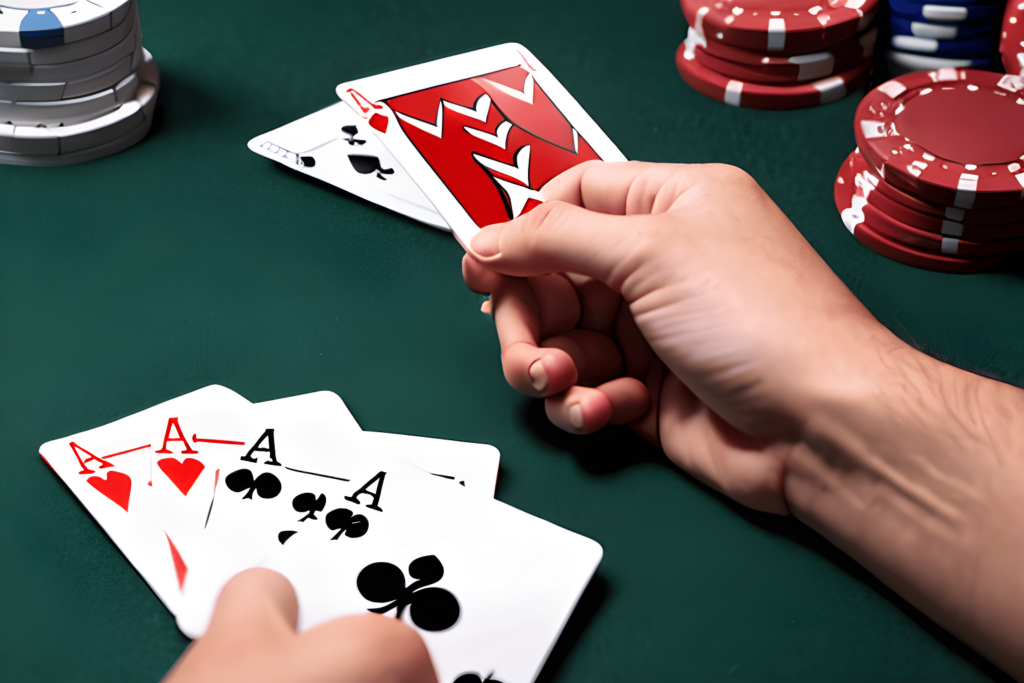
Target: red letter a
173	422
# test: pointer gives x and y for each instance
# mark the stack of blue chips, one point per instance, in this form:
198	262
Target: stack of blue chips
944	33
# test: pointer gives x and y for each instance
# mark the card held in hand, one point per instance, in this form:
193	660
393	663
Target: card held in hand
480	133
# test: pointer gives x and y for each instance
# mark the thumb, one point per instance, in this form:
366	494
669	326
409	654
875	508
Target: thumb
557	237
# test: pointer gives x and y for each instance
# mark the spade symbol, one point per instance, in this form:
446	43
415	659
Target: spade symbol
431	609
266	485
285	535
475	678
367	165
352	132
344	522
307	161
310	504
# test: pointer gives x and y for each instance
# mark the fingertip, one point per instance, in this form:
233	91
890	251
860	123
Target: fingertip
537	372
478	277
484	244
580	410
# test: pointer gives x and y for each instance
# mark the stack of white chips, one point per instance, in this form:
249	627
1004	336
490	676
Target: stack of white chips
75	82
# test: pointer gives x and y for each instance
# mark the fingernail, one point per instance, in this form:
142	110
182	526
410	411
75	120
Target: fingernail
485	307
538	378
485	243
576	416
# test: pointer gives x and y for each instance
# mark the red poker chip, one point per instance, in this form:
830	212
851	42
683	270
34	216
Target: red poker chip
851	202
763	96
1011	40
995	216
756	68
932	242
949	136
779	27
870	185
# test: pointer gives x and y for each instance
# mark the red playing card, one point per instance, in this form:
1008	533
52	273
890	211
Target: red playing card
493	140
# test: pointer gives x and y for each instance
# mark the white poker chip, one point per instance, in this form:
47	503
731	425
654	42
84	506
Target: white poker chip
25	58
74	110
49	23
64	72
27	145
43	92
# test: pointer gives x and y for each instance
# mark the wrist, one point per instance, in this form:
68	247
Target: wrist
915	469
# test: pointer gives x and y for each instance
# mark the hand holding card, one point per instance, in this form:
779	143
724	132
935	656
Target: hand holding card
481	132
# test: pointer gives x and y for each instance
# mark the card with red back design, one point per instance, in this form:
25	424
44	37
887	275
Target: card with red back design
480	133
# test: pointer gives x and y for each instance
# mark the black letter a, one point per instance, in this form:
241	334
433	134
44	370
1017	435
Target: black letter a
379	478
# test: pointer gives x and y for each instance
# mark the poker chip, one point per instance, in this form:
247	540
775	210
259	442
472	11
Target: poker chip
779	27
901	63
851	203
967	217
968	47
953	137
78	69
86	140
925	29
1011	38
932	242
941	12
741	93
68	111
49	23
25	58
796	69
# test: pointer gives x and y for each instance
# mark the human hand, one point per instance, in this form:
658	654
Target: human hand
678	299
252	639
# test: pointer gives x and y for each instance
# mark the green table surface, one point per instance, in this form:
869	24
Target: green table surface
189	260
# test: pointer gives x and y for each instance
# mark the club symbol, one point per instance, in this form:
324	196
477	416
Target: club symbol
344	522
266	485
366	165
432	609
310	504
475	678
352	132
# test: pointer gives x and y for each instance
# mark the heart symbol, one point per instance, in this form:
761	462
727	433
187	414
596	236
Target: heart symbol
183	474
379	122
117	487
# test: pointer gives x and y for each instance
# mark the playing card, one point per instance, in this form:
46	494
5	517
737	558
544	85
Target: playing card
259	507
489	588
480	133
471	465
308	459
108	470
336	146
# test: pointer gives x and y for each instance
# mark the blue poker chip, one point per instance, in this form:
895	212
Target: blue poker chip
924	29
905	62
959	13
969	47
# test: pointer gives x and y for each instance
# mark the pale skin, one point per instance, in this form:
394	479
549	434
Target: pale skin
681	301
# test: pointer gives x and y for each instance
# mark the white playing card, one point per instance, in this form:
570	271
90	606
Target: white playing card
258	508
336	146
480	133
108	470
472	465
488	587
315	453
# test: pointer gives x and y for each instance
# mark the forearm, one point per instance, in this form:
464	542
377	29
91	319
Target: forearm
919	475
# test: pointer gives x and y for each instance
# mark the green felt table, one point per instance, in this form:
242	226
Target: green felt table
189	260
